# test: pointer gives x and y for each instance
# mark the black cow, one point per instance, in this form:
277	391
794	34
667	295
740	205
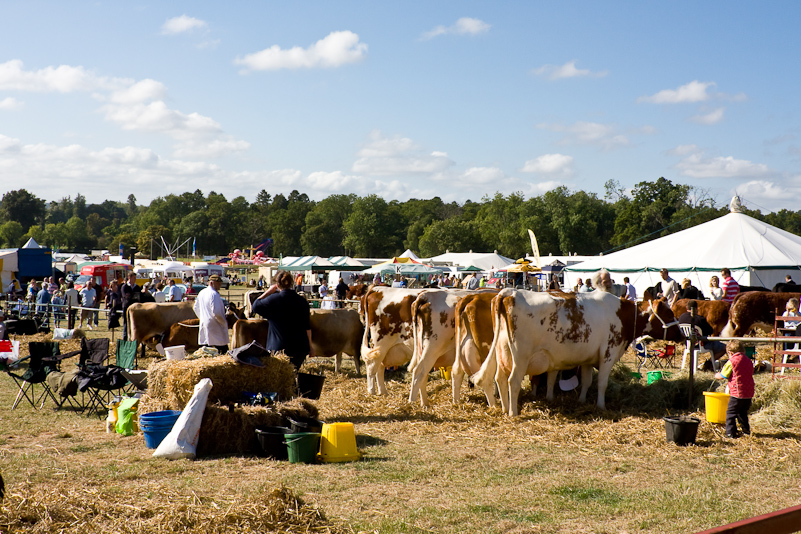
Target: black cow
784	287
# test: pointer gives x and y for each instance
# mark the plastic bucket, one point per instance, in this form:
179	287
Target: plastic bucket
338	443
656	376
716	405
271	441
305	424
636	376
302	447
310	386
445	372
175	353
681	430
156	426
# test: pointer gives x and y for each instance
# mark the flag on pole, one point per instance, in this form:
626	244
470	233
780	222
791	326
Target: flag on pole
194	242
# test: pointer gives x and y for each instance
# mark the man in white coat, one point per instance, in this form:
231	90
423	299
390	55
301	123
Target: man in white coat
210	309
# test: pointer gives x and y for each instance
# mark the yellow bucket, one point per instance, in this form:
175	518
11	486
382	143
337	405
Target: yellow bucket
445	372
716	405
338	443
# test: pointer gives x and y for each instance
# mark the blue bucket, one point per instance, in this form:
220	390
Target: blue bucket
157	425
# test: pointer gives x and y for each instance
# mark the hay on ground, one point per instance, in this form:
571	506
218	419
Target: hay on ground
174	381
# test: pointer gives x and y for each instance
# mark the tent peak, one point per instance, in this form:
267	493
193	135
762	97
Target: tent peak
735	206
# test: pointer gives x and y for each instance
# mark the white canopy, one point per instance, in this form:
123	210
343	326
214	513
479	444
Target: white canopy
757	254
484	261
409	254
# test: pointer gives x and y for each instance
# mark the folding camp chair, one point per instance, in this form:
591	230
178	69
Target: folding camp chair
44	357
92	364
644	356
691	334
126	359
666	356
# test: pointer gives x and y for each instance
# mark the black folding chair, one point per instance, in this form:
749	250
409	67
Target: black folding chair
44	357
98	379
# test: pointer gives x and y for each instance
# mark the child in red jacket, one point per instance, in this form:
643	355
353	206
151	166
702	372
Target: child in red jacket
741	388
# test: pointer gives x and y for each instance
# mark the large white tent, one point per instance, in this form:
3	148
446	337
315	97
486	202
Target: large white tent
757	254
484	261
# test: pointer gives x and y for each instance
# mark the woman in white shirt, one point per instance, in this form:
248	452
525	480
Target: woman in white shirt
714	288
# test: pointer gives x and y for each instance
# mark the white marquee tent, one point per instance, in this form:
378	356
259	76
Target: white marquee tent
484	261
757	254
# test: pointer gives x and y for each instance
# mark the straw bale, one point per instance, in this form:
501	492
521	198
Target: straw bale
232	429
174	381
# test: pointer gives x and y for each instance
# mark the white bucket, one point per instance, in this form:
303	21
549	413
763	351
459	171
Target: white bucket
175	353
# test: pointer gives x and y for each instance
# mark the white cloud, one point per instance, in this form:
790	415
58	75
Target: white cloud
61	79
588	133
550	164
698	166
398	155
157	117
182	24
683	150
138	92
334	50
481	175
694	91
10	103
463	26
758	190
568	70
214	148
713	117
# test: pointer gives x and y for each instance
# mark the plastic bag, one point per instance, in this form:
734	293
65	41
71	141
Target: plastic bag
126	416
181	442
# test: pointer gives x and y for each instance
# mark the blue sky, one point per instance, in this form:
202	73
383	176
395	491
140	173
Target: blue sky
404	100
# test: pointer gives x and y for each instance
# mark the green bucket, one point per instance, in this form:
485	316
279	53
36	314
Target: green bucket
636	376
302	447
656	376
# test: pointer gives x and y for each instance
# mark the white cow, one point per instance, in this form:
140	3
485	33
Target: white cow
387	340
541	332
433	327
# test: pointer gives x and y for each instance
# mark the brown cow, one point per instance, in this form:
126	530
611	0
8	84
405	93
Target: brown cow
356	291
755	309
149	320
334	332
716	312
474	331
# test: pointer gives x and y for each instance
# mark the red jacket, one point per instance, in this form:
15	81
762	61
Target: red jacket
741	383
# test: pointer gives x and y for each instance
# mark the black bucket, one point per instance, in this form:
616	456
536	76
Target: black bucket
271	441
310	386
305	424
681	430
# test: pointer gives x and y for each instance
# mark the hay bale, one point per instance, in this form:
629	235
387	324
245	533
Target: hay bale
232	430
174	381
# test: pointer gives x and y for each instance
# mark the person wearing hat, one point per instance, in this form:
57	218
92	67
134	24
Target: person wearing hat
210	309
3	333
289	327
670	288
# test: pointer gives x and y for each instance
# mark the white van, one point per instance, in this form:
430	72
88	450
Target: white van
203	270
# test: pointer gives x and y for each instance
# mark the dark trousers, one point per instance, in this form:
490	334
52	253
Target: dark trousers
737	411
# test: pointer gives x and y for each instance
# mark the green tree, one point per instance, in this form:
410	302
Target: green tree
324	233
450	235
370	229
23	207
499	222
11	233
286	219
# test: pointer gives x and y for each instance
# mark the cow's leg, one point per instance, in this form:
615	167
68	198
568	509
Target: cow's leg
502	381
420	379
372	387
551	383
604	370
457	376
515	381
357	362
379	378
586	380
337	362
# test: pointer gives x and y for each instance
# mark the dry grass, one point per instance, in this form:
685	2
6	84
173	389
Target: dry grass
559	467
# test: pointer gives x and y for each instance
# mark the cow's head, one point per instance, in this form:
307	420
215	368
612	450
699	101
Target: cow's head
661	323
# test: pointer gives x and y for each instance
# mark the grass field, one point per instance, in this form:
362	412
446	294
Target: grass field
559	467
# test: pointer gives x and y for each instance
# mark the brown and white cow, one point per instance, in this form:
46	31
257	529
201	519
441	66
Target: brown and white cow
755	309
716	312
147	321
537	333
387	340
473	338
433	330
250	297
334	333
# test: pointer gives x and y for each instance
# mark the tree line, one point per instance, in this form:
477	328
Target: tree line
565	222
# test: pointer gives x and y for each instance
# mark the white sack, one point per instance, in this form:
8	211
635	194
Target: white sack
181	442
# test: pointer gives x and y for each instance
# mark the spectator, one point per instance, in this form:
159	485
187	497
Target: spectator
114	305
739	371
210	309
43	300
58	307
691	317
14	289
587	287
577	287
342	292
715	291
631	291
473	282
33	290
72	299
173	292
289	327
788	279
669	288
88	296
689	291
554	284
729	286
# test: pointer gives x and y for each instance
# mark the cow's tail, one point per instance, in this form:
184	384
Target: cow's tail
484	377
417	334
460	331
365	348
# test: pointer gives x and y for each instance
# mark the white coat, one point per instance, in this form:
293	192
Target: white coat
210	309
